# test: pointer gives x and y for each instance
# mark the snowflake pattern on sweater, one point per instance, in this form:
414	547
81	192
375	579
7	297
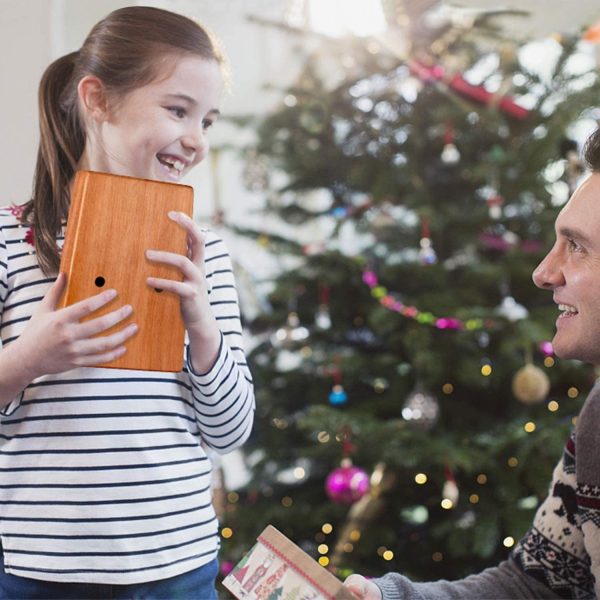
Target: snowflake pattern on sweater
562	548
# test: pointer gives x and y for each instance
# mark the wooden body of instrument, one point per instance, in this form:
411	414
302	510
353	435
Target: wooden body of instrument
112	221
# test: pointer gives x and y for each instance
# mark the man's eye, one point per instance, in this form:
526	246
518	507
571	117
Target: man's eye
177	111
573	245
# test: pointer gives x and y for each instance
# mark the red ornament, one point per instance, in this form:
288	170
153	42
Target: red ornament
347	483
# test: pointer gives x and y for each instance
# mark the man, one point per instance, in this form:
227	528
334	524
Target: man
559	557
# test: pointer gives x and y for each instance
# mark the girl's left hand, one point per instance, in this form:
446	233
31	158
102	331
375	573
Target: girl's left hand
193	290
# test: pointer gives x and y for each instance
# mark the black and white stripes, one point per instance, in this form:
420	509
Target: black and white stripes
103	473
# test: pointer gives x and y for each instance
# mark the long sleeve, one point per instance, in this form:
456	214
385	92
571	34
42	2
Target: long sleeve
224	396
504	582
551	561
3	275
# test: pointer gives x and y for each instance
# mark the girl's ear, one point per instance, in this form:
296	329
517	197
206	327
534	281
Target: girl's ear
93	98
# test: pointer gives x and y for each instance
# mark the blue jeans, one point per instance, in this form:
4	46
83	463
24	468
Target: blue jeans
195	585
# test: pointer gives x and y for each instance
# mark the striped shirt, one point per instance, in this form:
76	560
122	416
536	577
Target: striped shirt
103	474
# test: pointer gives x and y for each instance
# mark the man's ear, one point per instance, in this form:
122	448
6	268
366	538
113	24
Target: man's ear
93	98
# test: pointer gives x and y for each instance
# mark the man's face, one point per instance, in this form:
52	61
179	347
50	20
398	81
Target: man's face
572	271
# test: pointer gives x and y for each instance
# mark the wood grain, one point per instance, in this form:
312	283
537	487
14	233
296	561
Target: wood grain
112	221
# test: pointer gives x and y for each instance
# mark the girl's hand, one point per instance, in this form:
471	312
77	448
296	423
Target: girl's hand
198	318
362	588
55	341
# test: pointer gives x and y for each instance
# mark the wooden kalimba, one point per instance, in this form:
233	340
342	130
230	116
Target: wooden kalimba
113	220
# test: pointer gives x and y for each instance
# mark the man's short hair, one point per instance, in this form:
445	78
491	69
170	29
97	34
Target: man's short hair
591	151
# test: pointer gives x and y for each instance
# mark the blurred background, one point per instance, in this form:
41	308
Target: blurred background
386	174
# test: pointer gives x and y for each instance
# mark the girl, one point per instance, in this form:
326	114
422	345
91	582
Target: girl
105	487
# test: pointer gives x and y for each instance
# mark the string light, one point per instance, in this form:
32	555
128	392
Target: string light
529	427
420	478
553	406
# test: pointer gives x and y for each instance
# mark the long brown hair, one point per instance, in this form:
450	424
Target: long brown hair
125	51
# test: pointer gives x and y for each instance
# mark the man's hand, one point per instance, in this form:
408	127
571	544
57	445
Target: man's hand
362	588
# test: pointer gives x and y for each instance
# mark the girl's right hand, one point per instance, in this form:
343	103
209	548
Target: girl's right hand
55	341
362	588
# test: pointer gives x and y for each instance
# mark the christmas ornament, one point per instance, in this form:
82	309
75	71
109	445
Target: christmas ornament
338	395
530	384
495	203
421	409
510	309
322	316
450	488
347	483
426	253
450	154
592	33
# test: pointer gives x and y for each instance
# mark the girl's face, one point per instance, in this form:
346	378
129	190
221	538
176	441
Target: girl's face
158	131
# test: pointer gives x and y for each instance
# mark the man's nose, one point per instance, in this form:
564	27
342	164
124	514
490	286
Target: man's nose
548	274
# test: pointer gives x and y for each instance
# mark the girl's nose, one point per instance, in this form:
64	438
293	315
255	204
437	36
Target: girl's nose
195	139
548	274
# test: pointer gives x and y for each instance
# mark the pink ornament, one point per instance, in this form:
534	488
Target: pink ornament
347	484
546	348
226	568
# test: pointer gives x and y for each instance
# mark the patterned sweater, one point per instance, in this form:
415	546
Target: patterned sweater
104	476
559	557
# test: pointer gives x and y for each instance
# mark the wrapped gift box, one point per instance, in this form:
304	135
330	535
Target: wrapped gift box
277	569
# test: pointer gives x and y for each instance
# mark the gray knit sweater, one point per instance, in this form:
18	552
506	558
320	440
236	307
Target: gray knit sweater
559	557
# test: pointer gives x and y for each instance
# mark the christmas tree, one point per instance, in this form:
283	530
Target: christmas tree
409	407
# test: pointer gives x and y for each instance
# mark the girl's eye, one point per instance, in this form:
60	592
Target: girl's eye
177	111
207	124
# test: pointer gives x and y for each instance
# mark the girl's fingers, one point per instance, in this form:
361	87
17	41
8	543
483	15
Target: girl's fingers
187	268
86	307
99	359
100	345
99	324
195	236
183	290
55	292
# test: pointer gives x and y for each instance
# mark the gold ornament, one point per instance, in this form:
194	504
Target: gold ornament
530	384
